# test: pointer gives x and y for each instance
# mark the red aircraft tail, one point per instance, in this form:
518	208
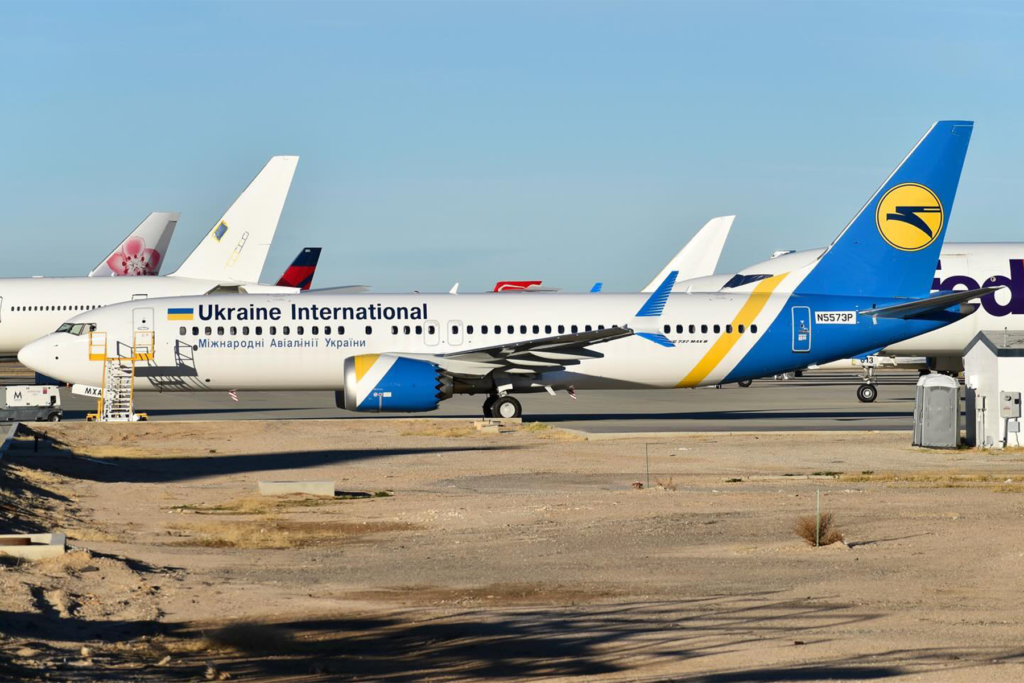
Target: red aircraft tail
300	272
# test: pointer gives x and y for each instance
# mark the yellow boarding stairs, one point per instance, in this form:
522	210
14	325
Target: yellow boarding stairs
116	403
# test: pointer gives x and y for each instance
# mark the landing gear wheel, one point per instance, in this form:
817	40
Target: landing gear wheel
867	393
745	383
488	403
506	407
54	417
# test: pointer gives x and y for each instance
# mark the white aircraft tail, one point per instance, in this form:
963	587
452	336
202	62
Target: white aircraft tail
143	251
236	249
699	257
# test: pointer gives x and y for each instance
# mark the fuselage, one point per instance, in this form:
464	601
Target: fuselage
33	307
300	342
962	266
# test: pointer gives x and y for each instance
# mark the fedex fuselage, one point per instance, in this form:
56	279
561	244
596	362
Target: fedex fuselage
962	266
301	342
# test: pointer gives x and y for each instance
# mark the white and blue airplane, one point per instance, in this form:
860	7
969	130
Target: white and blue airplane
408	352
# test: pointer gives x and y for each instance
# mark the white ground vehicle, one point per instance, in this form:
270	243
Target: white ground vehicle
32	404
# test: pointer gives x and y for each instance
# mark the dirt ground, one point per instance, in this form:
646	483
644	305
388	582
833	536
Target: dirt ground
528	554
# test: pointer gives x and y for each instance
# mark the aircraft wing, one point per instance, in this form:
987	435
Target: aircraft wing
528	357
699	257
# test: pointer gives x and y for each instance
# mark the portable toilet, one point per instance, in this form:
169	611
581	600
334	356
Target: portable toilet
937	412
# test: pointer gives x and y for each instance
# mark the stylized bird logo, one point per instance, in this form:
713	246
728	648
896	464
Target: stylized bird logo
908	215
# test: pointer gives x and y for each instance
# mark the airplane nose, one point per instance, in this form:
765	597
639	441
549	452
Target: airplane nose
35	355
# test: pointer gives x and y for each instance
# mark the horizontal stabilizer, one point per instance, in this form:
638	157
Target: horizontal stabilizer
932	304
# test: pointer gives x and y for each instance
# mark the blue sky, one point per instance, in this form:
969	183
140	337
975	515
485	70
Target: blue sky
457	141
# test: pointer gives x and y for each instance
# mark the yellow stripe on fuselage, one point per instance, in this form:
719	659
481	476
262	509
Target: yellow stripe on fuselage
747	315
364	363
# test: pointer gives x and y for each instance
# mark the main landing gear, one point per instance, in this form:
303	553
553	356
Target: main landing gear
867	393
502	407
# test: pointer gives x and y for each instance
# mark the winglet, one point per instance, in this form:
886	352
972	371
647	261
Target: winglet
596	288
655	303
454	289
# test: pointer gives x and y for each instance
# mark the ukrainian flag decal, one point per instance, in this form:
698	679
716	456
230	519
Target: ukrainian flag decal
179	313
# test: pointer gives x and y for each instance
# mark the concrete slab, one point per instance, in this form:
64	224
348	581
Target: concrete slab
284	488
8	438
33	546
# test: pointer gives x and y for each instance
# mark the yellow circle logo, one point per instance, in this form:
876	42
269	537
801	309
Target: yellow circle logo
909	217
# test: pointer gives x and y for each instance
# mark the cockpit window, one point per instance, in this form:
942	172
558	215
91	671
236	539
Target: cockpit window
77	329
740	280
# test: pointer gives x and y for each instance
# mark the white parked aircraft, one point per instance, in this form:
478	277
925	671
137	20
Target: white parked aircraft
961	266
408	352
143	252
229	258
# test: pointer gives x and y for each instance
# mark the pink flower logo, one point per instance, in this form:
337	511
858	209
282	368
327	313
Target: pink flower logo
134	258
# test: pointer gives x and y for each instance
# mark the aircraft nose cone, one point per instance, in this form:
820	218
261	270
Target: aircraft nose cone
34	356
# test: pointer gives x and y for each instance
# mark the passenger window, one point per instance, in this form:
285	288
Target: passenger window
703	329
693	328
588	328
522	329
728	329
430	329
561	329
220	331
259	331
181	331
341	329
245	331
536	329
286	330
547	329
483	329
316	330
406	330
300	330
394	329
419	329
679	329
740	329
327	330
209	331
753	329
600	327
575	329
369	330
718	329
497	329
195	331
273	330
668	329
234	331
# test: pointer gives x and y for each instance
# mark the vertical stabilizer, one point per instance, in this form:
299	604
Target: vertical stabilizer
699	257
237	246
891	247
300	272
143	251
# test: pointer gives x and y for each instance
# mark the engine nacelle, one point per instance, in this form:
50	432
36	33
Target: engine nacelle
386	383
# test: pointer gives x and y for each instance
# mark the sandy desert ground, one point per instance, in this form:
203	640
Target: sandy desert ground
528	554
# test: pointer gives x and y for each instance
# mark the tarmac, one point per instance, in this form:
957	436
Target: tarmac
819	401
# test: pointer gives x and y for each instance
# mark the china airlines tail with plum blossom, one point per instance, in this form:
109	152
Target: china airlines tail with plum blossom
143	251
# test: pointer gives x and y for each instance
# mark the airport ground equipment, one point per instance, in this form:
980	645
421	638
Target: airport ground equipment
994	376
31	404
937	412
117	395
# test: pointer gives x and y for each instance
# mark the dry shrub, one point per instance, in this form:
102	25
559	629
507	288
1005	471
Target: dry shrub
274	533
806	528
667	484
437	428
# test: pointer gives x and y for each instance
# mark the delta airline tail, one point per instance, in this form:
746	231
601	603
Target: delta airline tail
237	246
143	251
699	257
300	272
892	245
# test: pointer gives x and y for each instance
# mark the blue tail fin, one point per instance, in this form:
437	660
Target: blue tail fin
891	247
